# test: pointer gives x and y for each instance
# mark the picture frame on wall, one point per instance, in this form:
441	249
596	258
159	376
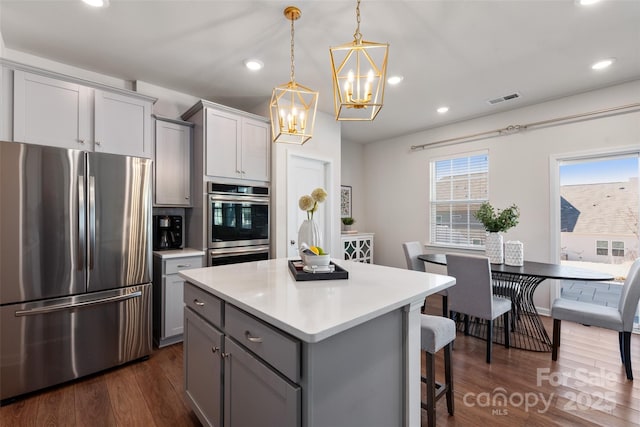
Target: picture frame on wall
345	201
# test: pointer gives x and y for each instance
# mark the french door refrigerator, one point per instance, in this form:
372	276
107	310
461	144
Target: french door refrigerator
75	253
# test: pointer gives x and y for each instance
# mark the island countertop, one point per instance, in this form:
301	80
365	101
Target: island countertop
315	310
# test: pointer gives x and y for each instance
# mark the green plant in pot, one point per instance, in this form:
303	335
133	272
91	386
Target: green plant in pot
347	222
496	221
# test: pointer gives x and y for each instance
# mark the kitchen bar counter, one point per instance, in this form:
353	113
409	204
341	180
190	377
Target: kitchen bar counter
359	338
314	310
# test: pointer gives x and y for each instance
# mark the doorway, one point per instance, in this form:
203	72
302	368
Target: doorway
598	221
304	174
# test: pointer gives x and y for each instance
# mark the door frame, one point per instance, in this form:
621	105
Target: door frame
554	200
328	229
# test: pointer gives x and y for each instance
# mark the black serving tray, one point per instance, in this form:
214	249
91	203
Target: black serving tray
295	267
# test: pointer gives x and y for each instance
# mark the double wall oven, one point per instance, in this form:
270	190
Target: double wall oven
237	223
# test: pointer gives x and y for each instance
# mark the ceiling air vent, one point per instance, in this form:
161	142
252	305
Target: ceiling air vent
509	97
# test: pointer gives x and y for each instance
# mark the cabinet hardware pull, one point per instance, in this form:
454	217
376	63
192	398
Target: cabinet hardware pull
225	355
81	141
243	172
215	349
238	171
184	265
247	334
198	303
98	143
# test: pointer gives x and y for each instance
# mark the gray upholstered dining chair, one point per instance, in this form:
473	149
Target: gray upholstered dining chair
618	319
473	294
411	252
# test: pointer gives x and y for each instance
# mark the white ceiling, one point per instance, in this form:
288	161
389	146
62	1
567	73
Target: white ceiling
455	53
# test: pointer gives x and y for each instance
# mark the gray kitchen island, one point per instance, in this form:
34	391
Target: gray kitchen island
262	349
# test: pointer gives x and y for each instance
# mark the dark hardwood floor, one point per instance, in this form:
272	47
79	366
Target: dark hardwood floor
587	386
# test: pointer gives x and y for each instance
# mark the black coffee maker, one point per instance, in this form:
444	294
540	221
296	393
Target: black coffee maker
167	232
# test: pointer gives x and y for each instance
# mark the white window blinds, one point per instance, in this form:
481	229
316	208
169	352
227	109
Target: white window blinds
459	186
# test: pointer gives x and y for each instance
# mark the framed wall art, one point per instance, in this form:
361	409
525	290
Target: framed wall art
345	201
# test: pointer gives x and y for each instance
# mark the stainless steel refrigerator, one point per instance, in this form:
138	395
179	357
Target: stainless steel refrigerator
75	264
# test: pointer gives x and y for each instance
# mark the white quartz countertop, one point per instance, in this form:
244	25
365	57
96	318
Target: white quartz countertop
315	310
178	253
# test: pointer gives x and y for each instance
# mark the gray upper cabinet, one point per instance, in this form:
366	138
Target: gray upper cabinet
223	144
172	166
122	124
235	145
60	111
255	150
49	111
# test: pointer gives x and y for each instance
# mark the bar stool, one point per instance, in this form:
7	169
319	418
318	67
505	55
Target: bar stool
437	332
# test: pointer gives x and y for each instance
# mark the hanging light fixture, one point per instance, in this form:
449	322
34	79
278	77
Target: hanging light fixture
293	106
359	71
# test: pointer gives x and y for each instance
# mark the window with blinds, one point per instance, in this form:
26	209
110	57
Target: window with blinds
459	186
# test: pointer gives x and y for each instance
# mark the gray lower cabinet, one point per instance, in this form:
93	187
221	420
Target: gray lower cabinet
254	394
242	370
168	290
203	368
238	379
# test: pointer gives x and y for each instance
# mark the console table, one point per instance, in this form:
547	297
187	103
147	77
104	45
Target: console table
358	247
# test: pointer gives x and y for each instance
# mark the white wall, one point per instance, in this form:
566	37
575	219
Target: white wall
2	47
353	175
397	190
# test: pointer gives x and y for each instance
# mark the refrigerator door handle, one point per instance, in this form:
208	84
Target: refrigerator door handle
92	220
67	306
81	223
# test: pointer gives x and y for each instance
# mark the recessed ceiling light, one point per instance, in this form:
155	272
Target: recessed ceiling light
254	64
601	65
97	3
394	80
587	2
442	110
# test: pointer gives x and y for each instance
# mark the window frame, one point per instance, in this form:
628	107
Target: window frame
599	248
433	211
613	250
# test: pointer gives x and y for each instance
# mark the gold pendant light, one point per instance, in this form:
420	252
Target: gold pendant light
359	72
293	106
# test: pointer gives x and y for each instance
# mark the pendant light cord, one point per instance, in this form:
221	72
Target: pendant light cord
357	36
293	74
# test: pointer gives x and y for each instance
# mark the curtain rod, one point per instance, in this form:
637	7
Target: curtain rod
518	128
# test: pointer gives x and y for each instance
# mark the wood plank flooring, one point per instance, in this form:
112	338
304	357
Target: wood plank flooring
585	387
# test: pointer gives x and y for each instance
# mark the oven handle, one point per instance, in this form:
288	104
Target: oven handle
245	250
226	198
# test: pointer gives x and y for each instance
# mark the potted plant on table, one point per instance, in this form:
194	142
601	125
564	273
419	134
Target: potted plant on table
496	221
347	222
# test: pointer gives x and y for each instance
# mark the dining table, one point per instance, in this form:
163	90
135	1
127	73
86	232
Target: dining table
519	284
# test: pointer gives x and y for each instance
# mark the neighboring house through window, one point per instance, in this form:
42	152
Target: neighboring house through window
602	247
459	185
617	248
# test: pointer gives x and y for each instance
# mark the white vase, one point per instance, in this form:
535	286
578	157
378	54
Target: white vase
514	253
493	248
309	233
